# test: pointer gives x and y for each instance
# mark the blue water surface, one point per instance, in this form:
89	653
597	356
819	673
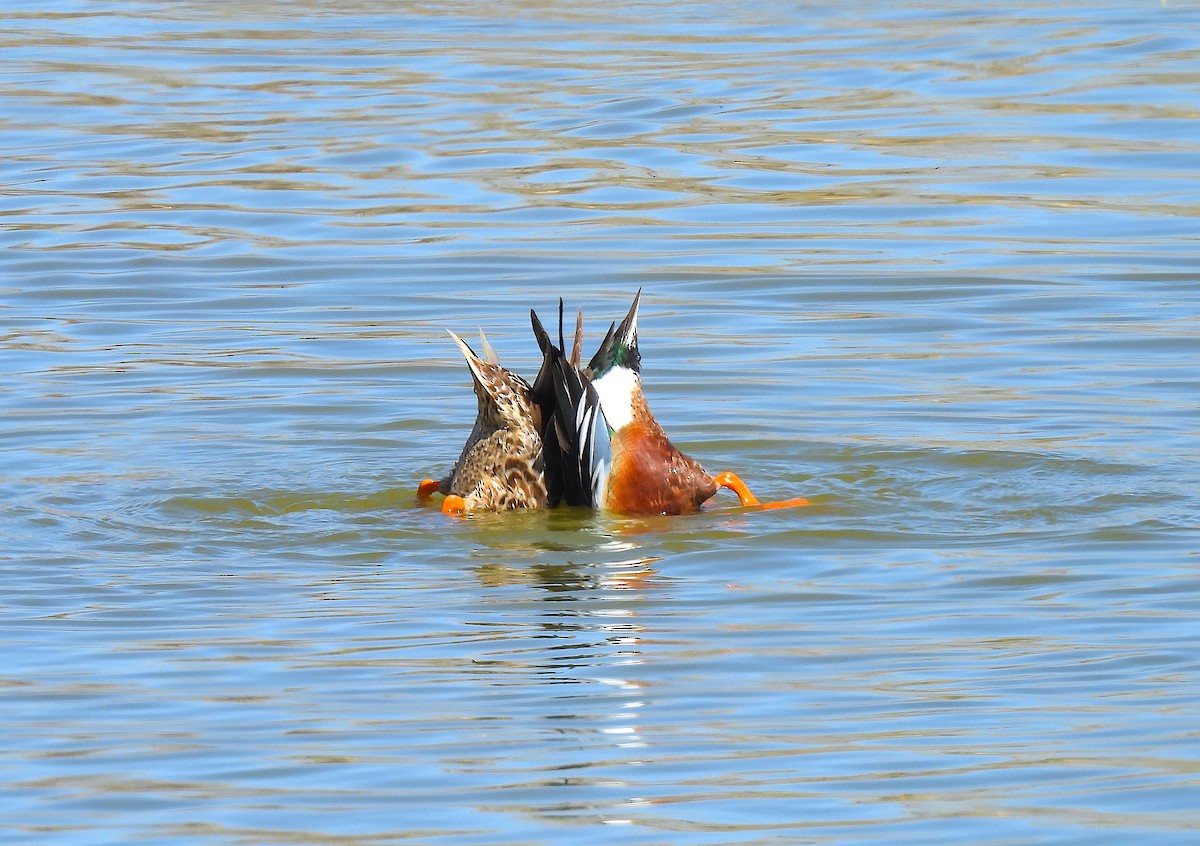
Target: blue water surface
934	266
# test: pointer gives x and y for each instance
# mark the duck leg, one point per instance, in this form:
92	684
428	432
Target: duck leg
452	504
731	481
426	489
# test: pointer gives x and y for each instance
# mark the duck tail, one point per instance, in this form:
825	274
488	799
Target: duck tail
575	436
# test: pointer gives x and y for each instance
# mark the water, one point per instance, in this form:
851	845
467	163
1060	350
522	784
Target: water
932	265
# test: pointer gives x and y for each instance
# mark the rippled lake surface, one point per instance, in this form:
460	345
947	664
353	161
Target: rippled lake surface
935	266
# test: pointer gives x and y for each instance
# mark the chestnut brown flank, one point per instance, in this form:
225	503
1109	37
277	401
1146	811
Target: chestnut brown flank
649	475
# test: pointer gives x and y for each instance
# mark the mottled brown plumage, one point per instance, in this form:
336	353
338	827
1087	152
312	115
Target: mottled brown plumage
500	467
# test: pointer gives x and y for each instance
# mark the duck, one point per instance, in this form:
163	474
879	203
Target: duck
602	446
501	464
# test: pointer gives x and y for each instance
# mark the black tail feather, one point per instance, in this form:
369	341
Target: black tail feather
559	390
543	395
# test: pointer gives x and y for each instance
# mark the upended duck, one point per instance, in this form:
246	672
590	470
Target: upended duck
500	467
577	436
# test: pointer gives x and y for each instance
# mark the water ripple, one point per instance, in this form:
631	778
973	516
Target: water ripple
930	266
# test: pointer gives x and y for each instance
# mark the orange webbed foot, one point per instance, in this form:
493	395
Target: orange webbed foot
731	481
785	503
425	490
454	504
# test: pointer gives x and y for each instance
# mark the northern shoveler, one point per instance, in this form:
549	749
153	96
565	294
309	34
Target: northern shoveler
500	467
602	446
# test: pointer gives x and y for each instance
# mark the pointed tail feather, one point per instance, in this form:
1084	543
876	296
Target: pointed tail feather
543	395
575	438
619	347
489	353
473	361
577	349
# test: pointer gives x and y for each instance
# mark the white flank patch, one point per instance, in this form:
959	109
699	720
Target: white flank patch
615	389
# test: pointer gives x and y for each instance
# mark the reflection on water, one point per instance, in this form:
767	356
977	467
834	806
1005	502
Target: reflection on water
931	266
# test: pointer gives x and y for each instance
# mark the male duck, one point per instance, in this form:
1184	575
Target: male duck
602	446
